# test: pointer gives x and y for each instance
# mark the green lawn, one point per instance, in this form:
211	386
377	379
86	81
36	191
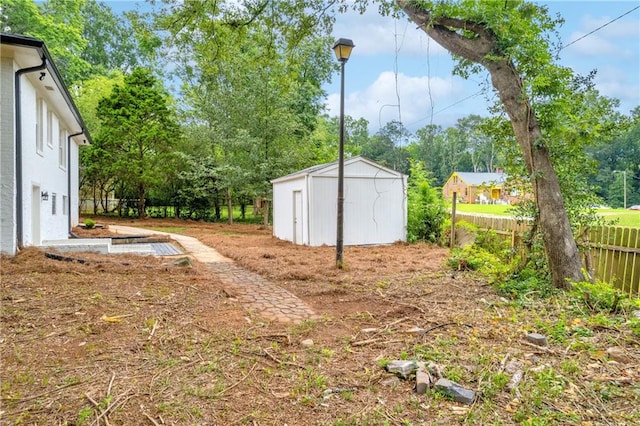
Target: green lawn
623	217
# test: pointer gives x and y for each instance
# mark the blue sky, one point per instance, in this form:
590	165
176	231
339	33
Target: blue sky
394	63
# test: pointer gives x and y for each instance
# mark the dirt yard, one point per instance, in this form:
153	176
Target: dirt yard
131	340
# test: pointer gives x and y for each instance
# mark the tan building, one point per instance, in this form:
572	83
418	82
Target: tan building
479	188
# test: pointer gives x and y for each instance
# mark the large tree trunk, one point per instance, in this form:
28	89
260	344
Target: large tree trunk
141	201
560	245
229	207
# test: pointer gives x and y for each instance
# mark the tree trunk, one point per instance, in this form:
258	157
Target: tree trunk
229	207
141	201
560	245
265	219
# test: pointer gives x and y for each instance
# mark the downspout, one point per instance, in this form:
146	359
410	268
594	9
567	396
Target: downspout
19	221
81	132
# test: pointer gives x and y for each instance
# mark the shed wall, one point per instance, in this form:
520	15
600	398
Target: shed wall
374	210
283	210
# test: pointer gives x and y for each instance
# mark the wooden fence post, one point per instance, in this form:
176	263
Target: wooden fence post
453	220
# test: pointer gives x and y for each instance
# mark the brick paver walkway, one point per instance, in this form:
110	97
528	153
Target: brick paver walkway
257	293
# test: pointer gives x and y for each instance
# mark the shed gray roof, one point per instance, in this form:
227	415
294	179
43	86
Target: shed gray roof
320	167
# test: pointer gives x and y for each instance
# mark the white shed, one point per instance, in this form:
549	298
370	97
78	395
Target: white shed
375	204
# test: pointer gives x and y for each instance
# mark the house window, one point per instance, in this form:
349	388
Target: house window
62	149
39	124
50	129
65	205
53	203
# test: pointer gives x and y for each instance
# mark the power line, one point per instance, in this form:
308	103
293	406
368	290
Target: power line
599	28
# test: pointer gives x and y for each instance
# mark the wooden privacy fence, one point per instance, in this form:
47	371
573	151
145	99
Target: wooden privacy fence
614	251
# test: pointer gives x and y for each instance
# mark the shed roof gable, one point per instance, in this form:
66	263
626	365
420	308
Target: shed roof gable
355	166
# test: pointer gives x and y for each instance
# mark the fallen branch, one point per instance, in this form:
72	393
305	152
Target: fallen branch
435	327
151	419
238	382
153	330
282	362
540	348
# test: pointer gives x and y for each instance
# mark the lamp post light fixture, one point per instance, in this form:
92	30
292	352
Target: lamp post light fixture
624	185
342	48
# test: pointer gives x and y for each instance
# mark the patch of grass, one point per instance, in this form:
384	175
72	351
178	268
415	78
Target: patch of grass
169	229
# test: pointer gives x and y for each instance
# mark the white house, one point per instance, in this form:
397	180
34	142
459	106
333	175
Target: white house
40	134
375	204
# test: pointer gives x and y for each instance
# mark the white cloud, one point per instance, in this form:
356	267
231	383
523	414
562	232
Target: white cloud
378	103
374	34
594	45
615	83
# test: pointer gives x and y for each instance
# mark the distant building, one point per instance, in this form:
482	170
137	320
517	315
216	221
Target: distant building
40	134
479	188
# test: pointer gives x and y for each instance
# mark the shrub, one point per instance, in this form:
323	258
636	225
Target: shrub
89	224
426	210
601	297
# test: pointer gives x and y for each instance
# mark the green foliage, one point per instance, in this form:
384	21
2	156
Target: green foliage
138	130
426	210
601	297
89	223
487	253
524	284
478	259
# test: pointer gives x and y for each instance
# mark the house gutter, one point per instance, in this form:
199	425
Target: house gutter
18	74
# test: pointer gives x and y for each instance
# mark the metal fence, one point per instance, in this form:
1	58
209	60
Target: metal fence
614	251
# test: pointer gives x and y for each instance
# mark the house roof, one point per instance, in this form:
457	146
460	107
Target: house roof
328	167
482	179
30	51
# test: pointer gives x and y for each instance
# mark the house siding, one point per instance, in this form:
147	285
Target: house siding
44	170
8	221
46	162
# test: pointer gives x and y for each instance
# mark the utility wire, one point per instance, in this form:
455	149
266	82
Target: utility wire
599	28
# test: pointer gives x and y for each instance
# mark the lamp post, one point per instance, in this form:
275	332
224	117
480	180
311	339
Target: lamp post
624	185
342	48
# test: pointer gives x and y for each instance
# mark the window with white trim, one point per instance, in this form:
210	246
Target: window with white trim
53	203
39	124
62	149
50	116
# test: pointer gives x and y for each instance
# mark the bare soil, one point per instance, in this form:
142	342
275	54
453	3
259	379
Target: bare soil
132	340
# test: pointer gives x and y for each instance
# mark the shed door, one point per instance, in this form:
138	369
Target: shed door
297	217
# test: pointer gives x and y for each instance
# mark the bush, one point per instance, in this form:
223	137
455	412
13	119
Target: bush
89	224
601	297
475	258
426	211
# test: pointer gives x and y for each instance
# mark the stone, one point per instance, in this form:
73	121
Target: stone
636	314
402	368
307	343
423	381
618	354
182	261
390	382
513	366
537	339
455	391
